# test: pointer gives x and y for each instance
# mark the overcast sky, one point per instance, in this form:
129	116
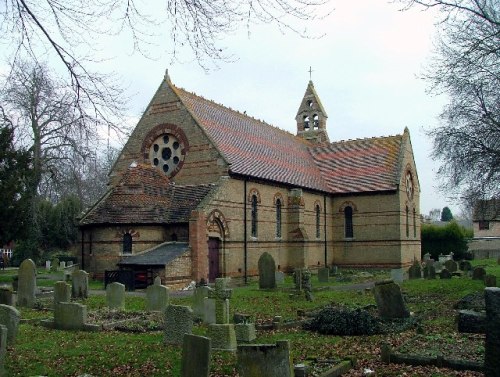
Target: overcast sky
365	71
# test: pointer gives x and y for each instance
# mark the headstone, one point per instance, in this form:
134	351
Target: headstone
62	292
223	336
80	284
245	332
429	272
397	275
427	256
492	343
465	266
470	321
10	317
209	311
54	265
279	277
178	321
490	280
3	349
195	356
157	297
47	265
198	303
438	266
306	285
157	280
323	275
62	265
415	271
6	296
445	274
70	316
221	295
26	284
256	360
390	303
115	296
478	273
267	269
451	265
333	270
297	279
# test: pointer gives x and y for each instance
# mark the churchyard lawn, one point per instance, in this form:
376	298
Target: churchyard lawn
42	351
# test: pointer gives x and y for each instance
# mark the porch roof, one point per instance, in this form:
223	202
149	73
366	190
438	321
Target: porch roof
157	256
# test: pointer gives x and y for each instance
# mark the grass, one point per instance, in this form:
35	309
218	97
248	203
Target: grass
40	351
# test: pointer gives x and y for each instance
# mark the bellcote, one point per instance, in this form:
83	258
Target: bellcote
311	117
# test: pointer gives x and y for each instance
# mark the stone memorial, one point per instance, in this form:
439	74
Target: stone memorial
478	273
221	296
451	265
70	316
244	328
79	284
445	274
178	321
279	277
269	360
465	266
62	265
470	321
26	288
492	343
3	348
47	265
390	303
429	272
195	360
6	296
115	296
54	264
209	311
221	332
62	292
438	266
198	303
490	280
398	275
157	297
307	285
323	275
267	270
297	279
415	271
10	317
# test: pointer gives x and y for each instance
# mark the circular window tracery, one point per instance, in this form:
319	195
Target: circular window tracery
165	153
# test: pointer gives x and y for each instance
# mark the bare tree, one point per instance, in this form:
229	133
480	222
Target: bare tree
466	66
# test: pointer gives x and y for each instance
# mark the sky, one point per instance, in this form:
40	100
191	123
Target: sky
365	70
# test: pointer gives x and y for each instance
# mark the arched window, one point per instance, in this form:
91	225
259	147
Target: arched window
318	218
407	222
349	230
127	243
254	215
306	122
278	218
414	223
315	121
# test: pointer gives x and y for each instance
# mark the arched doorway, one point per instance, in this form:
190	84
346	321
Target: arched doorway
217	233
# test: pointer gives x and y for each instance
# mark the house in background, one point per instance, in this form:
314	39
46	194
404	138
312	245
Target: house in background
486	222
201	191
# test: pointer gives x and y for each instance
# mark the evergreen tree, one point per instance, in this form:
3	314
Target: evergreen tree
446	214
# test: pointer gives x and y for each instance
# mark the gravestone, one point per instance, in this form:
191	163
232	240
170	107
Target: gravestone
198	303
427	256
307	285
478	273
490	280
465	266
71	316
26	288
492	343
3	348
62	292
470	321
221	296
157	297
244	328
429	272
209	311
178	321
79	284
451	265
398	275
415	271
10	317
279	277
195	356
221	333
223	336
54	264
323	275
269	360
157	280
297	278
115	296
438	266
47	265
62	265
390	303
267	269
445	274
6	296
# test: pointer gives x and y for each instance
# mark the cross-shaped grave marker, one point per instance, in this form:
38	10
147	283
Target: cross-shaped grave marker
221	295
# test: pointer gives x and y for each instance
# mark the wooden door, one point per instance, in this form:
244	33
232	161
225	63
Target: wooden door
213	259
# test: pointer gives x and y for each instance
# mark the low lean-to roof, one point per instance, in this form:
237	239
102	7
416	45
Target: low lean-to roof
157	256
257	149
146	196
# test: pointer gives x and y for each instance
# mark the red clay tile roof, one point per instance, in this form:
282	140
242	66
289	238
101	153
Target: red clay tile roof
256	149
145	195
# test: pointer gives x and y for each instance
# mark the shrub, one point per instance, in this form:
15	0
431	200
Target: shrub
438	240
344	321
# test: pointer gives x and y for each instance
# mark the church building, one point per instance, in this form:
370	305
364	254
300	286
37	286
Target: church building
201	191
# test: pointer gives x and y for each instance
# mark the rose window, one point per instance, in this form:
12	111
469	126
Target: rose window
166	153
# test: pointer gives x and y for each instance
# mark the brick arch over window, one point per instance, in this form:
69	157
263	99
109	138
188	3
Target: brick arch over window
251	193
217	218
279	197
348	203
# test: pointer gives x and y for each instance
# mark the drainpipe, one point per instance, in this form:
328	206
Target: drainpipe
324	225
83	250
245	249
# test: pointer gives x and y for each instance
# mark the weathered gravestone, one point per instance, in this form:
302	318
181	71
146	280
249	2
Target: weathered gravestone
390	303
244	328
26	288
209	311
221	295
195	356
445	274
492	344
198	303
323	275
415	271
465	266
115	296
297	278
157	297
398	275
6	296
451	265
47	265
267	269
307	285
178	321
79	284
62	292
221	333
470	321
478	273
3	348
269	360
54	264
62	265
223	336
490	280
10	317
70	316
280	277
429	272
